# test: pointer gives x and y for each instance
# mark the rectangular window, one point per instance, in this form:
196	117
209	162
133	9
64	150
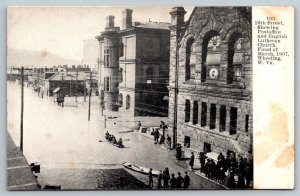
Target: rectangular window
106	58
222	118
187	110
233	120
247	123
195	113
203	114
212	124
107	84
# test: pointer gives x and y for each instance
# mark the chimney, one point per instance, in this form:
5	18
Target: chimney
127	18
110	21
177	16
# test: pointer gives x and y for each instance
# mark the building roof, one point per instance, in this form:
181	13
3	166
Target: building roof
154	25
69	76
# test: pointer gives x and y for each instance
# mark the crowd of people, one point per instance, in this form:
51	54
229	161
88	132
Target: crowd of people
167	181
226	168
111	138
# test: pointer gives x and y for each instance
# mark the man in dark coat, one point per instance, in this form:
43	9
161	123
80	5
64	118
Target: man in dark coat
191	163
179	181
186	180
173	181
166	177
150	175
159	178
178	151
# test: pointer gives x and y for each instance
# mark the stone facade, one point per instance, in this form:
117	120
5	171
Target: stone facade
135	62
211	79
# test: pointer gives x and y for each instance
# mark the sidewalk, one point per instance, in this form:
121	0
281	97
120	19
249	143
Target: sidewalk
19	174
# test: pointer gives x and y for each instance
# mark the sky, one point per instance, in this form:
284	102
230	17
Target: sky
61	30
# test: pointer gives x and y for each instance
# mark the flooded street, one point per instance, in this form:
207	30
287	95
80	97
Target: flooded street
72	151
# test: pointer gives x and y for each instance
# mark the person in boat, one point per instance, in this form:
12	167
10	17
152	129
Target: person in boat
114	140
106	135
179	181
120	142
173	181
150	176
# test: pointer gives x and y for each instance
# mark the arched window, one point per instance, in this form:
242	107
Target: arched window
211	52
235	57
127	102
120	100
190	59
149	74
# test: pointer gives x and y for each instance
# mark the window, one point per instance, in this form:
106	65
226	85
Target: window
187	110
127	102
190	60
235	57
120	100
210	52
247	123
203	114
106	58
222	118
187	141
121	49
233	120
212	124
195	113
107	84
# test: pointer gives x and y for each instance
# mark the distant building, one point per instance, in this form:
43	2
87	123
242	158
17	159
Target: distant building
134	67
211	80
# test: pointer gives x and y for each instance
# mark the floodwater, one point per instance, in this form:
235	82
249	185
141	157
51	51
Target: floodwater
63	140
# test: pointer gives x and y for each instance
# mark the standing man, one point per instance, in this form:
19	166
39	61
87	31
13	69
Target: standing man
150	175
139	125
191	163
186	181
179	181
173	181
166	177
159	178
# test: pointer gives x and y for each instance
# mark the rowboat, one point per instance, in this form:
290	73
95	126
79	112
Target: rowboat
143	170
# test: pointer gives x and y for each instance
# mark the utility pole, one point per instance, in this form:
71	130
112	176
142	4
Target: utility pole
76	89
90	94
84	90
21	71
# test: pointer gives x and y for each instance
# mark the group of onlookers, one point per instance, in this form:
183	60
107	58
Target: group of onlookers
167	181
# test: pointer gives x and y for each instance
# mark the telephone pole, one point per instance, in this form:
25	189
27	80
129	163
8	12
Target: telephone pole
76	85
21	71
90	94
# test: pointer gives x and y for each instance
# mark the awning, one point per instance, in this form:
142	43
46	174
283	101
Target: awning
56	90
212	155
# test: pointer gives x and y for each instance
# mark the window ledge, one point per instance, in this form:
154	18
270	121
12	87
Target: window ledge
213	131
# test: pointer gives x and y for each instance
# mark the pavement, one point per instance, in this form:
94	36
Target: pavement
19	174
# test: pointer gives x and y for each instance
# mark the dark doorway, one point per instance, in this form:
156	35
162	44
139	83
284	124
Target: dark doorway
222	118
233	120
207	147
187	141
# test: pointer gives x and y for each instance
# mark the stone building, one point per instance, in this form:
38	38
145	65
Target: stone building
134	67
210	86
